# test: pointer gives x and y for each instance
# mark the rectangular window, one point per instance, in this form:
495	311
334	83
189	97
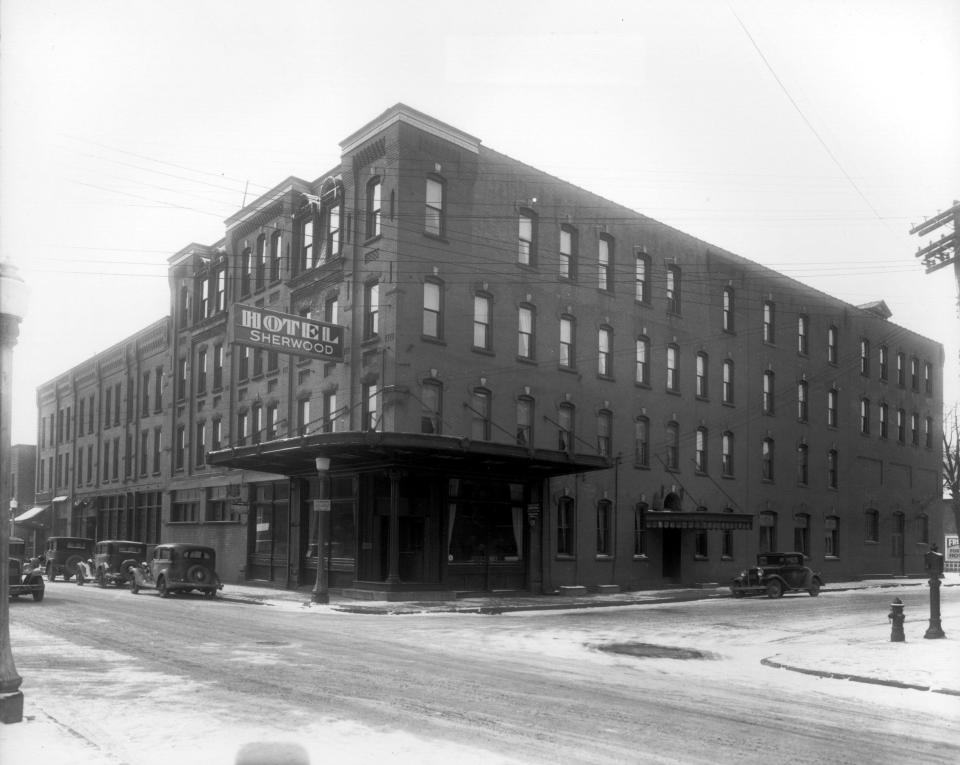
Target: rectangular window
271	421
307	248
482	336
480	416
642	288
526	252
157	446
433	216
243	425
673	289
256	423
831	540
257	362
216	435
261	261
373	208
604	428
604	352
181	379
525	421
329	412
726	454
144	446
525	340
604	264
369	413
639	531
303	416
702	389
901	370
567	357
928	378
276	251
204	308
567	257
769	329
180	448
728	309
243	362
803	323
641	442
565	427
565	526
217	367
643	361
673	379
201	371
604	512
832	408
884	362
144	397
220	299
371	317
106	461
431	309
185	506
200	445
865	357
430	414
832	349
157	390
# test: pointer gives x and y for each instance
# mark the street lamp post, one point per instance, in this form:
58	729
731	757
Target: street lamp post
13	299
321	593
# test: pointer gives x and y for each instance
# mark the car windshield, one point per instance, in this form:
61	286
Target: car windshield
73	545
198	554
129	549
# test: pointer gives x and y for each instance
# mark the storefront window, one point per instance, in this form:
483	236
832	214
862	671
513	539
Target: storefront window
485	523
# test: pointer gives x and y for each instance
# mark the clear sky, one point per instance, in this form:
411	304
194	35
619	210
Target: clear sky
807	136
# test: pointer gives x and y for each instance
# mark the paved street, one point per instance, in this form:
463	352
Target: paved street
138	679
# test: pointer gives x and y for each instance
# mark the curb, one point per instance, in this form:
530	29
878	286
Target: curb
857	678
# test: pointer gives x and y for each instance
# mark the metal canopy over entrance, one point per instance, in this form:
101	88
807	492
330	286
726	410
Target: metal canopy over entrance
361	451
699	520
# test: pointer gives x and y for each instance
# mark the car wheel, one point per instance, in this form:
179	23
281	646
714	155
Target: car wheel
774	588
70	568
814	588
162	588
125	568
198	574
38	595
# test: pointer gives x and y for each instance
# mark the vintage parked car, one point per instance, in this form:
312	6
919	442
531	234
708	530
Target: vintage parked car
64	553
25	578
111	562
177	567
776	573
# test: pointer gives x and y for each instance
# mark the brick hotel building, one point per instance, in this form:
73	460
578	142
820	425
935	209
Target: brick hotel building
539	388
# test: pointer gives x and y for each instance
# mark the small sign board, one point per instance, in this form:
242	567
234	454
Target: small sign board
288	333
951	551
321	505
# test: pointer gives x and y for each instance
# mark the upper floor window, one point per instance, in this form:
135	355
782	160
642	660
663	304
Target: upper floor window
565	414
915	429
884	362
802	398
568	252
803	334
726	454
928	378
482	333
604	428
480	415
431	397
700	450
803	464
374	190
884	409
525	332
673	369
271	420
673	446
605	263
769	319
261	262
369	408
525	421
832	345
308	253
901	370
768	387
276	253
432	314
202	371
642	275
832	396
914	373
727	382
245	272
928	432
766	459
204	308
901	426
604	351
567	346
643	361
865	416
527	252
604	527
566	525
434	218
220	295
641	442
833	468
371	316
673	289
183	307
864	357
702	380
728	305
217	367
303	417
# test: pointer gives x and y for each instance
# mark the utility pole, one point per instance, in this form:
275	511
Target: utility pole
943	251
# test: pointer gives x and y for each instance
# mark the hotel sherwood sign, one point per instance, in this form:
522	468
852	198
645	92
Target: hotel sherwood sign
287	333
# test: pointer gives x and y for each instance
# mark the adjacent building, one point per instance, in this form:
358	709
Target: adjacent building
533	387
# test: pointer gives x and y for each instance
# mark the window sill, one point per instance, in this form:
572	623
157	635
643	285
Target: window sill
608	378
603	556
565	556
672	392
433	340
527	360
436	237
641	557
727	403
644	385
483	351
568	370
183	523
701	557
372	239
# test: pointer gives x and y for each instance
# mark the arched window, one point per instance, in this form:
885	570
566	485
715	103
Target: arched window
604	531
643	361
565	420
568	252
768	532
728	308
373	207
726	454
480	415
604	432
700	452
768	388
727	381
871	526
673	446
641	442
431	399
605	352
766	459
673	289
566	523
865	416
703	389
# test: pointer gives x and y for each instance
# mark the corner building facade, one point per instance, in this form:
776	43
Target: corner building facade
539	388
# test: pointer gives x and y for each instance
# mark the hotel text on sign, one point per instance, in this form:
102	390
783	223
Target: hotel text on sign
287	333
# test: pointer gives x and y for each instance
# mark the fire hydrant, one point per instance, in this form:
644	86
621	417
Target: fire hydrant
896	618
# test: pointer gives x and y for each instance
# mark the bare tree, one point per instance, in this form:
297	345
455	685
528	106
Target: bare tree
951	460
